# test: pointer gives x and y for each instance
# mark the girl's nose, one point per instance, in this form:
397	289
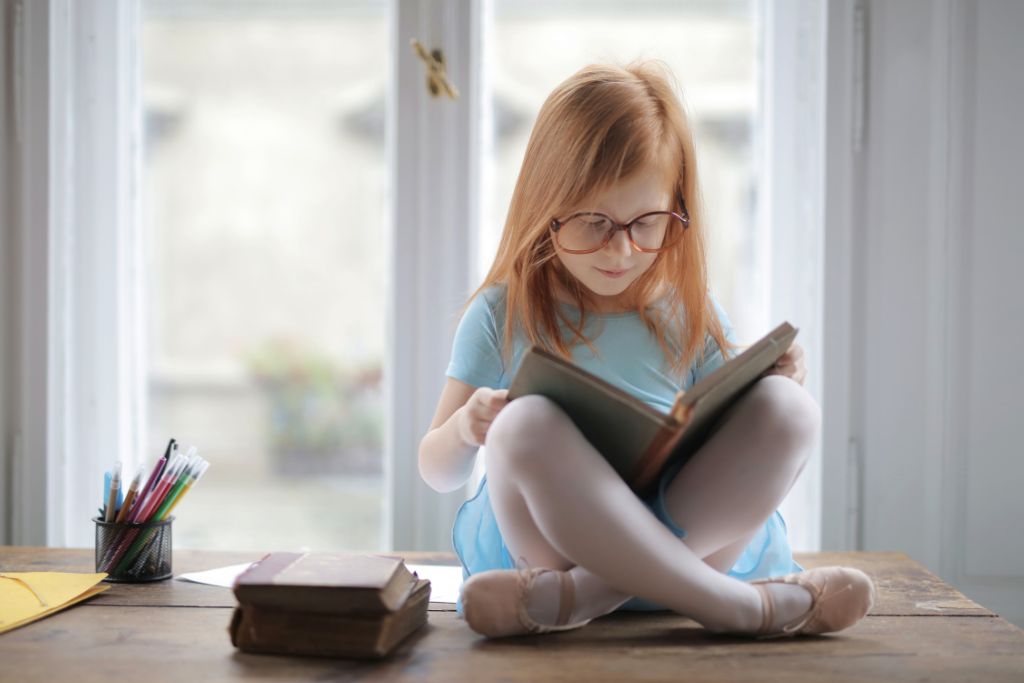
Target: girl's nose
619	243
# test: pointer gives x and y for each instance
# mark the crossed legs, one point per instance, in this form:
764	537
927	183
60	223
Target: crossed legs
560	505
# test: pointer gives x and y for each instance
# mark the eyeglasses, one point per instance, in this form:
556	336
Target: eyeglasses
588	231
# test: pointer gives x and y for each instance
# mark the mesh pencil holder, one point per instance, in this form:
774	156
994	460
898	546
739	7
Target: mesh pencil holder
133	552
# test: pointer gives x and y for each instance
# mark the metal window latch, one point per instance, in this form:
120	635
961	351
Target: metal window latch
437	79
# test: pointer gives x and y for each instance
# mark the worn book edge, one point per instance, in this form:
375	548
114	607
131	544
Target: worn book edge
261	585
661	449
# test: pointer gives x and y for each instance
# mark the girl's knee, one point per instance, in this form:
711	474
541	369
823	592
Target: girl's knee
786	411
523	431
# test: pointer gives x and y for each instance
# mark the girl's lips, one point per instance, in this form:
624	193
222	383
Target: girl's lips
613	273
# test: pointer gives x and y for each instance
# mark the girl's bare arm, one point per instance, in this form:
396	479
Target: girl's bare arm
464	414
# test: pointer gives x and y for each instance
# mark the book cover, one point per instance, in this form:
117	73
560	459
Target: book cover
262	630
332	583
636	439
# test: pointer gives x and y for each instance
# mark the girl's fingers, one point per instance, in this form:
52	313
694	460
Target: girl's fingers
479	429
788	370
798	373
789	365
491	405
487	414
479	425
792	356
492	399
482	399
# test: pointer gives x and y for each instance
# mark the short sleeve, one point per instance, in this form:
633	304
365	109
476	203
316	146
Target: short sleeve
476	349
712	358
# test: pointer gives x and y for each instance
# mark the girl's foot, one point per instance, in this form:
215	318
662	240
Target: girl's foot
840	597
509	602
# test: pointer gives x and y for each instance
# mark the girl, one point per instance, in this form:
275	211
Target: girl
602	260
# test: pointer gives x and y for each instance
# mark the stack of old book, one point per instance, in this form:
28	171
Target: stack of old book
329	605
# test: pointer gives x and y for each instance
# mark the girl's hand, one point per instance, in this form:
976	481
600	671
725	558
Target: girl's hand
476	416
790	364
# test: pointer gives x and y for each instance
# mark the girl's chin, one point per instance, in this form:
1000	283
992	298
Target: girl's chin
609	289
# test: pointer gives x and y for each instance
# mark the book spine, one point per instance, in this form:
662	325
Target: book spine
646	470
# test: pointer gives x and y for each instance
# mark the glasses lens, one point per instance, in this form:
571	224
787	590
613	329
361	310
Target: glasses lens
586	231
656	230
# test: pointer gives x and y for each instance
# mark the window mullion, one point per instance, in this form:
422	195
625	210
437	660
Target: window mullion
792	166
433	226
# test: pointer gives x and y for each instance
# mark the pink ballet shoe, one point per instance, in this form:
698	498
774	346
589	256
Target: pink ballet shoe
840	597
494	602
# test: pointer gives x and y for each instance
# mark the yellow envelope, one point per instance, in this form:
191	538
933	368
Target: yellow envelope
27	596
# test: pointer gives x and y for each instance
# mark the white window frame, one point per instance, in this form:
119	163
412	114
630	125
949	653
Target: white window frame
845	111
79	387
791	207
78	280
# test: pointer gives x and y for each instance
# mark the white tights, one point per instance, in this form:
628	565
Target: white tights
560	505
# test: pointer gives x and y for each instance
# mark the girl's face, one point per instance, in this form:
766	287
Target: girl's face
609	271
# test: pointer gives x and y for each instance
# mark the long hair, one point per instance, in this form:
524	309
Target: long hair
599	126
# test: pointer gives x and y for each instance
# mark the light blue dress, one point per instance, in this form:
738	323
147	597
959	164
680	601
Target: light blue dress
628	357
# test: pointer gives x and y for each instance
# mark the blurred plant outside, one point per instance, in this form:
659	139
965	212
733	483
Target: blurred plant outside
326	418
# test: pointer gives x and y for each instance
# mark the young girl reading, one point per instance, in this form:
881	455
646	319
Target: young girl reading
602	261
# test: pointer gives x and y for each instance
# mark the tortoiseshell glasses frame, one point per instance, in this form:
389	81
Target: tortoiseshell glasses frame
675	220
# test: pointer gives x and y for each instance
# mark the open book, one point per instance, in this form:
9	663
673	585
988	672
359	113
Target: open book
636	439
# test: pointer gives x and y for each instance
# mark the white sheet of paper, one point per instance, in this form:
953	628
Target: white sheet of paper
444	580
221	576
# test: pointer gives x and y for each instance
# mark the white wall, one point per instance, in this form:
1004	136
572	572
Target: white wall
936	240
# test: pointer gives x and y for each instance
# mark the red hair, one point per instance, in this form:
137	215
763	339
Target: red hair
599	126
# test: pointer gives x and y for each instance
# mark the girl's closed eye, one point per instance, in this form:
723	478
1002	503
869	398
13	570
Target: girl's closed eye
644	224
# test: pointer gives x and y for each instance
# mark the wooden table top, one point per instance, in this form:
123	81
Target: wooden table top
921	629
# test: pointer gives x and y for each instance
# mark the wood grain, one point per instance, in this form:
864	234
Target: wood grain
921	629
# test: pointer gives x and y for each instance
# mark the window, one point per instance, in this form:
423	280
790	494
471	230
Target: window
283	146
264	202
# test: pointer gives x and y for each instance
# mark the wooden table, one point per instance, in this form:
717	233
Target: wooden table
921	629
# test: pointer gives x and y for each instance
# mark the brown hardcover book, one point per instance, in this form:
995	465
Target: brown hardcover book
636	439
329	583
271	631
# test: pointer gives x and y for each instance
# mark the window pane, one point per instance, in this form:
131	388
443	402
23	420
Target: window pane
264	208
711	48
